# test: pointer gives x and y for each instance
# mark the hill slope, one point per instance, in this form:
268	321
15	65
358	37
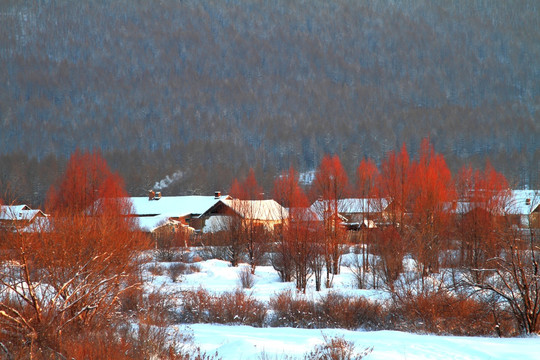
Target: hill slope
231	84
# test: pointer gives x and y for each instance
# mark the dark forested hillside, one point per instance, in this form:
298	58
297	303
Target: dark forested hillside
206	89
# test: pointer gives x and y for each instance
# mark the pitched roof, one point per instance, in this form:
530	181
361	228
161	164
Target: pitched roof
518	202
266	210
150	223
354	205
303	214
523	202
174	206
18	212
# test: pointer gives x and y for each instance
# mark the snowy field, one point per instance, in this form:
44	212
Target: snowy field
244	342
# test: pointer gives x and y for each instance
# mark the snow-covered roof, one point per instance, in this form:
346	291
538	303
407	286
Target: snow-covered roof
519	202
353	205
303	214
150	223
173	206
523	202
266	210
18	212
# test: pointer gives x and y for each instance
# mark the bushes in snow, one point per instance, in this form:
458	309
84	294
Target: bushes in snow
246	278
236	307
331	311
436	312
180	268
292	311
336	348
440	312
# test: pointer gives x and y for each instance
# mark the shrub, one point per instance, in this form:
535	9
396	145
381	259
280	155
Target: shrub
117	338
164	254
332	311
130	299
180	268
215	252
292	312
195	306
157	308
338	311
156	270
238	308
229	308
336	348
246	278
440	312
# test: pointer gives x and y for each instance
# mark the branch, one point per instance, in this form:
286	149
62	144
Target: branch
5	349
79	313
21	320
70	281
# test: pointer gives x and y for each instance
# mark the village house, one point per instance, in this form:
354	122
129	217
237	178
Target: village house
524	208
520	207
21	218
267	213
354	213
156	211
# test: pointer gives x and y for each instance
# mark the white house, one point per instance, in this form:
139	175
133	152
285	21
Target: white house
155	210
20	217
524	206
360	211
267	213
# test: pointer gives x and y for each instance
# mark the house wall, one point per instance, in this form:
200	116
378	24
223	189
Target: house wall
534	220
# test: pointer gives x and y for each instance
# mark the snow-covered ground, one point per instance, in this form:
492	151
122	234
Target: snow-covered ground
244	342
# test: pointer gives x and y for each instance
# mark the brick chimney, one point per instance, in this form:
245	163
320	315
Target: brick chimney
158	195
527	201
217	194
151	194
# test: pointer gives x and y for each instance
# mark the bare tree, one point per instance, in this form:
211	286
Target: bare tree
432	196
514	274
233	237
65	275
331	184
367	176
249	208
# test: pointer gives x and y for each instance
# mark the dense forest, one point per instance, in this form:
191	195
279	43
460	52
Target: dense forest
201	91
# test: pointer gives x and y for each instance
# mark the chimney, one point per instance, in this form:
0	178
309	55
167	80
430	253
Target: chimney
158	195
527	201
151	194
217	194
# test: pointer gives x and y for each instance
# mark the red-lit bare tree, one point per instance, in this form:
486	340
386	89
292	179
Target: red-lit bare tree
367	175
331	184
395	184
432	196
65	278
515	276
287	193
247	228
483	197
248	189
500	255
391	248
296	242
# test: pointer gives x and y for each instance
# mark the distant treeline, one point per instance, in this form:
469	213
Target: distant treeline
212	88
